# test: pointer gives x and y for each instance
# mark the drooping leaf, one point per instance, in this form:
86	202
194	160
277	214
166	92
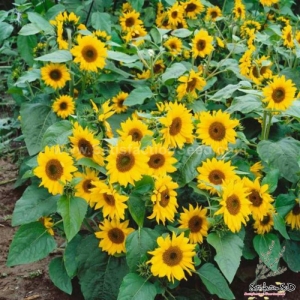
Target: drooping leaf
181	32
137	4
25	47
138	96
176	70
28	76
38	20
114	55
245	104
291	255
279	224
5	31
137	208
271	179
58	56
101	21
284	203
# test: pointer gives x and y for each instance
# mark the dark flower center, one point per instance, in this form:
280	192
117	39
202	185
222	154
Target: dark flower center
201	44
233	204
191	85
216	177
217	131
165	198
278	95
109	199
156	161
125	161
172	256
129	22
175	126
85	148
296	210
63	106
87	185
213	14
136	134
54	169
255	198
55	75
195	224
89	53
190	7
116	235
266	219
174	14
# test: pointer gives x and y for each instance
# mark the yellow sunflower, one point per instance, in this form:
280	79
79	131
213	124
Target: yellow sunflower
213	173
64	106
126	162
268	2
84	144
83	188
174	45
212	13
161	160
260	70
265	224
118	102
172	257
239	10
287	36
48	223
113	235
178	126
136	36
55	168
249	27
235	205
297	37
192	8
280	93
191	83
55	75
107	198
164	200
202	44
175	15
159	67
195	220
293	217
130	20
217	130
256	169
90	53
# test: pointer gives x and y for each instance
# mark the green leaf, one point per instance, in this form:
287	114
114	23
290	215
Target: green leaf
137	4
229	248
28	76
36	118
43	24
59	276
72	210
271	179
293	110
291	255
214	281
88	162
58	56
144	185
31	242
181	33
29	29
248	250
138	96
119	56
245	104
176	70
54	11
134	287
5	31
284	203
262	244
137	208
25	47
101	21
35	203
282	155
138	243
279	224
57	134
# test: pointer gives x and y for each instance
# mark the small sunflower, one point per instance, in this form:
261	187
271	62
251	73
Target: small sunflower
193	8
265	224
249	27
55	168
113	235
90	53
280	93
195	220
172	257
175	15
239	10
217	130
118	102
287	36
130	20
268	2
293	217
126	162
64	106
48	223
164	200
174	45
159	67
55	75
235	206
213	173
202	44
256	169
212	13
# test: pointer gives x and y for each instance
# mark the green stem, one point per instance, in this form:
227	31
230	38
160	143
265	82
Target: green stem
263	127
30	89
86	223
269	122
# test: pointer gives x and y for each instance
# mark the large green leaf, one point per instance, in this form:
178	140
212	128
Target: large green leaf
31	242
214	281
137	208
72	210
245	104
229	248
137	4
279	224
284	203
5	31
35	203
134	287
43	24
101	21
29	76
271	179
291	255
58	56
176	70
25	47
119	56
29	29
138	96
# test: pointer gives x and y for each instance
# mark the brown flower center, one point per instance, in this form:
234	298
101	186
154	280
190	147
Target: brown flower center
263	70
85	148
87	185
136	134
157	68
129	22
89	54
233	204
120	103
174	14
191	85
173	46
54	169
116	235
156	161
55	74
190	7
195	224
266	219
289	37
175	126
172	256
239	11
201	44
217	131
165	198
63	106
255	198
213	14
296	210
125	161
278	95
216	177
255	72
109	199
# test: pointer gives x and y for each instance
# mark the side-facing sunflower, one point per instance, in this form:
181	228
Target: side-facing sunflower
268	2
217	130
172	257
239	10
280	93
64	106
195	220
293	217
55	75
202	44
256	169
265	224
55	168
118	102
113	235
287	36
192	8
212	13
48	223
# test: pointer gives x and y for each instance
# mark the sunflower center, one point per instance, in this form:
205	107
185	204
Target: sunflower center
216	177
87	185
190	7
213	14
156	161
85	148
63	106
116	235
89	54
120	103
296	209
233	204
157	68
129	22
191	85
174	14
55	75
265	221
109	199
289	37
125	161
136	134
255	198
255	72
165	198
201	44
278	95
239	11
172	256
195	224
173	46
263	70
54	169
217	131
175	126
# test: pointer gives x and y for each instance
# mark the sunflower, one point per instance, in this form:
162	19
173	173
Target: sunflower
235	206
84	144
256	169
213	173
259	197
260	70
113	235
158	67
134	128
48	223
55	75
135	36
216	130
192	8
175	15
118	102
172	257
178	126
126	162
130	20
212	13
280	93
268	2
287	36
107	198
265	224
249	27
293	217
246	62
55	168
64	106
195	220
297	37
239	10
202	44
161	160
220	42
83	188
90	53
174	45
164	200
191	83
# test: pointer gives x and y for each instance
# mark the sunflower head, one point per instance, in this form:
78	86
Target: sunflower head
55	75
64	106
